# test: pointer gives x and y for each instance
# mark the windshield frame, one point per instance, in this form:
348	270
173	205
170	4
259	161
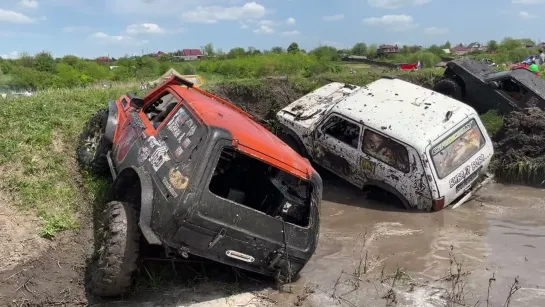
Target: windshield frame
472	123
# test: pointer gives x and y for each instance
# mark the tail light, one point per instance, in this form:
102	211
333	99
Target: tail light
438	204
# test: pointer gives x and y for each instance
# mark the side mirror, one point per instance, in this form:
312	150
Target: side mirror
136	102
494	85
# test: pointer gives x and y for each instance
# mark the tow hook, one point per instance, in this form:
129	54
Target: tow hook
184	251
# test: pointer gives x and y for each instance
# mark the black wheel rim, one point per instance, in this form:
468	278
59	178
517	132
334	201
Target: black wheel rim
92	141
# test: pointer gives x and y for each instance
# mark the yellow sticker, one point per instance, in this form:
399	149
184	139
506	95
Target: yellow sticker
177	180
366	164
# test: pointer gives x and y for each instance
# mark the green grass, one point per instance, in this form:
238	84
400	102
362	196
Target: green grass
37	142
492	121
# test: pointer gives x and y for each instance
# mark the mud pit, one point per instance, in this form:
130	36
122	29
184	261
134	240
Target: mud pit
500	232
520	147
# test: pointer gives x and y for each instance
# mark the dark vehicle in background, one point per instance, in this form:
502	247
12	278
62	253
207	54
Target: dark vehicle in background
480	86
196	175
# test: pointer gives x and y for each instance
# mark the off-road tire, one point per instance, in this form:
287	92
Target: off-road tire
449	87
94	129
117	250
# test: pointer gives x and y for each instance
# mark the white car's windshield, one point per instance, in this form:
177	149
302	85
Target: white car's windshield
457	148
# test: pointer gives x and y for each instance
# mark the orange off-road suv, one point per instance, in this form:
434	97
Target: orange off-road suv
199	176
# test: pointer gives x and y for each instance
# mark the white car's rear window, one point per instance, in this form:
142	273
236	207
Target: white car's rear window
457	148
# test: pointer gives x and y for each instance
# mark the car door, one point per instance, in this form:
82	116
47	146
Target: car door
336	147
387	163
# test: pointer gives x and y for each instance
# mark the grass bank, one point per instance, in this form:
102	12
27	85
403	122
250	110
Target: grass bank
37	141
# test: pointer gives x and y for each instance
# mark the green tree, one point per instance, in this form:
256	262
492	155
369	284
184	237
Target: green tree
492	46
446	45
326	53
208	50
277	49
43	61
237	52
436	50
359	49
71	60
372	50
293	48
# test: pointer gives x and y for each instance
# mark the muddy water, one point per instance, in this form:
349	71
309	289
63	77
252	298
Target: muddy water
501	232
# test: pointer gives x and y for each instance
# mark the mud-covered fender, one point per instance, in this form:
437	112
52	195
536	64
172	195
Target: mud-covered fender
288	131
111	124
121	188
390	189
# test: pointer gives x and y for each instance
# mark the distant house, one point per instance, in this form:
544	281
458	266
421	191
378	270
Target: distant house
103	59
476	46
460	49
160	53
387	49
189	54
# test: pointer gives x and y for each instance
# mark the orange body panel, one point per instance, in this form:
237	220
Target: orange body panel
250	137
253	138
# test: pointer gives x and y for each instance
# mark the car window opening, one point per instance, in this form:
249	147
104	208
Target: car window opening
158	110
386	150
512	89
343	131
257	185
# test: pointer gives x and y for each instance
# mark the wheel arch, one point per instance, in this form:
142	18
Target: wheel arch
111	123
290	133
135	186
450	73
390	189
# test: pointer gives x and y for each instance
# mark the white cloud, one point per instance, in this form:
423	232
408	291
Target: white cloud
264	29
32	4
144	28
75	29
243	25
333	44
14	17
436	30
290	21
267	22
106	39
393	4
213	14
528	2
392	22
526	15
290	33
333	17
10	55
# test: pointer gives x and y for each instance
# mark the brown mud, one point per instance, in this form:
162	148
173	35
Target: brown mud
520	148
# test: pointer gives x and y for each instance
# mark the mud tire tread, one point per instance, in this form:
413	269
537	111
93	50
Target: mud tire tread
97	164
113	267
448	85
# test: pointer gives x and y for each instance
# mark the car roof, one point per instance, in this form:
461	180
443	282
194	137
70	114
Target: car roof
253	138
407	112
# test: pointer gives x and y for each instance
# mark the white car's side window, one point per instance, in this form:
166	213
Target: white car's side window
342	130
386	150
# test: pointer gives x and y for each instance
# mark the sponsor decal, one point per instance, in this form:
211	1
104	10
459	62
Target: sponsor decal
469	179
177	180
178	152
452	138
143	154
467	171
176	123
126	142
192	131
368	165
239	256
159	157
169	188
152	142
186	143
137	120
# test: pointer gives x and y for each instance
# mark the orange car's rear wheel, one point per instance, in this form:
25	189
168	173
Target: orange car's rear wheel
92	146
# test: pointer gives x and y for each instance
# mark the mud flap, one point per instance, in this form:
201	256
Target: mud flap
472	190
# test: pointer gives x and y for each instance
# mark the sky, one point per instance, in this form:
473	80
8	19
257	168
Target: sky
92	28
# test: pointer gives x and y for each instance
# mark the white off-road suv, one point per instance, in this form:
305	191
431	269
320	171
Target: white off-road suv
428	149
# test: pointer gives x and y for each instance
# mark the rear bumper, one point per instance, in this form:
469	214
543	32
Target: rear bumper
247	255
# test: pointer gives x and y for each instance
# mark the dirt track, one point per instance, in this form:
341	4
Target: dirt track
500	232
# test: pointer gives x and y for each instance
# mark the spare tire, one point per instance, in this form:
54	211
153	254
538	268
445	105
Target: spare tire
449	87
